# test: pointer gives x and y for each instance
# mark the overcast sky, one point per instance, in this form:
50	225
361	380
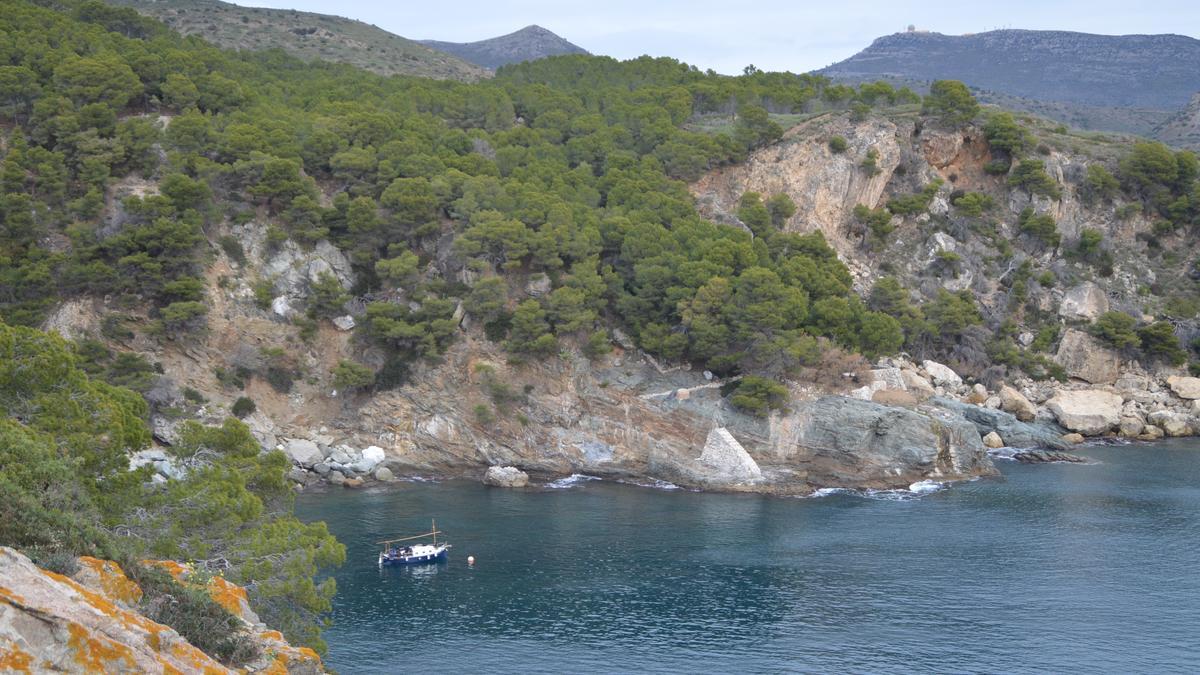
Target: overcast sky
790	35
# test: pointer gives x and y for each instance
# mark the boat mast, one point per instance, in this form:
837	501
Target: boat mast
433	530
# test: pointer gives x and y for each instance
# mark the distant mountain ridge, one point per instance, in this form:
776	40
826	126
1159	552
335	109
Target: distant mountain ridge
527	44
1147	71
308	36
1126	83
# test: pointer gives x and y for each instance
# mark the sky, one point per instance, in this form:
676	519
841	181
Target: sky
726	36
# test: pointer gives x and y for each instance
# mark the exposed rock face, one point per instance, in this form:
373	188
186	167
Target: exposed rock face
1172	423
1131	427
1185	387
505	476
303	451
1084	302
73	319
1016	434
1088	411
1013	401
824	198
49	622
727	460
916	385
1083	357
941	375
845	441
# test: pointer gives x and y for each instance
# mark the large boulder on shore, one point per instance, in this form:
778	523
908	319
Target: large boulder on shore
1185	387
1016	434
1084	358
725	460
1014	402
849	442
1088	411
505	476
303	452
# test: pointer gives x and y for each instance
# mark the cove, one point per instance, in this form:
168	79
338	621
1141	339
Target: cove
1059	567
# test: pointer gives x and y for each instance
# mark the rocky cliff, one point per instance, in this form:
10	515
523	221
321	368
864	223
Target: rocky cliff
90	623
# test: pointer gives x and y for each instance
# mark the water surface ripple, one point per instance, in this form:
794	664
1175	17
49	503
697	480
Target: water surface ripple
1060	568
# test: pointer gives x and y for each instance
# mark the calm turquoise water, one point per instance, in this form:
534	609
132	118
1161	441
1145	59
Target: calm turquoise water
1059	568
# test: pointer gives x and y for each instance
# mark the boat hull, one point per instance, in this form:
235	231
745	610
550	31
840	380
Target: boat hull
427	559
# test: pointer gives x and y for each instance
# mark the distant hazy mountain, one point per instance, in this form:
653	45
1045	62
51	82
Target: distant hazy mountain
527	44
1130	71
307	35
1127	83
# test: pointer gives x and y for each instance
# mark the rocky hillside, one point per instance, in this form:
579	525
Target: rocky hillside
527	44
629	416
92	622
1183	128
1124	83
308	36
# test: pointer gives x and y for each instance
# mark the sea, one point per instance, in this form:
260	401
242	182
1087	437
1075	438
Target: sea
1057	568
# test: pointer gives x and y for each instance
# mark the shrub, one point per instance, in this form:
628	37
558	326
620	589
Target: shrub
1100	184
192	396
1004	134
597	344
878	221
190	610
997	167
183	316
916	203
950	101
973	204
1159	342
264	290
1039	226
351	375
838	145
233	248
1031	175
242	407
484	414
1117	329
870	163
758	395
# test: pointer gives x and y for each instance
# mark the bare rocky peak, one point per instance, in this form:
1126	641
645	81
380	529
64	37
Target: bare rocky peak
529	43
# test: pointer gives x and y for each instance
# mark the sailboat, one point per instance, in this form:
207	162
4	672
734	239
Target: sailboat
396	553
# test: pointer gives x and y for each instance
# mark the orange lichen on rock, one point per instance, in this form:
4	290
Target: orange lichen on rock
112	580
91	624
7	594
175	569
229	595
198	660
13	659
97	654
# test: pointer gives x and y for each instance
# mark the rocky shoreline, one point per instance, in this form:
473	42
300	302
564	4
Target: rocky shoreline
628	418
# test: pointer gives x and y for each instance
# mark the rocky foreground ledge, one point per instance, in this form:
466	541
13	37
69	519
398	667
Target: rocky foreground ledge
89	623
